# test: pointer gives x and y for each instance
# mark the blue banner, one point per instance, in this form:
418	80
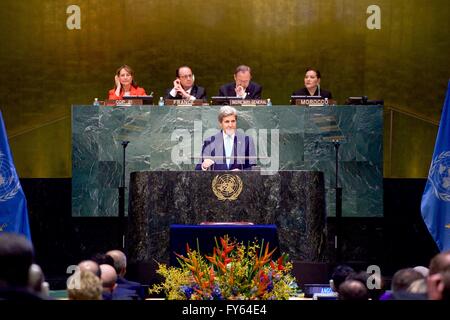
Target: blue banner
13	204
436	197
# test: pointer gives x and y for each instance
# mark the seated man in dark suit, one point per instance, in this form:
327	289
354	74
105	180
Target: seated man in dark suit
120	265
111	291
228	149
184	87
242	86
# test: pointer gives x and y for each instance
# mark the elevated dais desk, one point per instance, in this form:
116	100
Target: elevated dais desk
205	235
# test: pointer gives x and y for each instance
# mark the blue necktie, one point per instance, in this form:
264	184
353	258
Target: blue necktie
228	149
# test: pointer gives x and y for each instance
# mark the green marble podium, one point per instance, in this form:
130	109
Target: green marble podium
292	200
169	138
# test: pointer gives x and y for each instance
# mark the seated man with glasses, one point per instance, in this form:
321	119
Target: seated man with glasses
242	86
184	87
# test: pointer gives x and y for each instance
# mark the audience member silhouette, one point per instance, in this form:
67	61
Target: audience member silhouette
340	273
16	258
110	289
437	280
90	265
352	290
403	278
109	278
36	280
103	258
120	265
84	285
372	282
401	282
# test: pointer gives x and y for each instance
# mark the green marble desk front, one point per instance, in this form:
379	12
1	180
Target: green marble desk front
169	138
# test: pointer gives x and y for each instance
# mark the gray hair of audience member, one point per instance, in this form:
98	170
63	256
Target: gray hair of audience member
109	277
242	68
36	280
353	290
92	266
403	278
120	261
84	285
16	257
422	270
226	111
418	286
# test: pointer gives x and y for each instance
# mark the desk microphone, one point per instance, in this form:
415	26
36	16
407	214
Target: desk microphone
318	88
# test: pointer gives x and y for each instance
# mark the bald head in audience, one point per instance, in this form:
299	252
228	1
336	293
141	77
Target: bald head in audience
120	262
109	277
89	265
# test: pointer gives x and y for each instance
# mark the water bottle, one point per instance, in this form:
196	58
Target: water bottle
96	103
161	102
269	102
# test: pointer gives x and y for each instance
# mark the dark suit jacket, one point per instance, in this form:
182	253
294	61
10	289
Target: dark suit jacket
254	90
197	92
120	293
243	147
131	285
305	92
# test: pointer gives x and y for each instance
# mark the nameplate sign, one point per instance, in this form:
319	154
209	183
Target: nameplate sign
248	102
185	102
314	102
124	102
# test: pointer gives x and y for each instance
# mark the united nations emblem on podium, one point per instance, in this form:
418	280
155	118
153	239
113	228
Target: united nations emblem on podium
227	186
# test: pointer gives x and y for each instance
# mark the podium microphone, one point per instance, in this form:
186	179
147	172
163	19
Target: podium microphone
318	88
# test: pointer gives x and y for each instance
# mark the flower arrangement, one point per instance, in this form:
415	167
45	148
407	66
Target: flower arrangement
233	272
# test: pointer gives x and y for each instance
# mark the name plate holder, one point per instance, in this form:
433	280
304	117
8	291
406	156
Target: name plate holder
248	102
185	102
122	103
314	102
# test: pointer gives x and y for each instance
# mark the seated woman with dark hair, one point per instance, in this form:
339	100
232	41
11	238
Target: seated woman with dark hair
125	84
312	85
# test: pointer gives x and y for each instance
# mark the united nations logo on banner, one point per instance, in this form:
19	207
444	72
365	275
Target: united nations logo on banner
227	187
9	184
439	176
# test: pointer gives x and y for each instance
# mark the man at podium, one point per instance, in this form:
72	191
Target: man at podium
228	149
